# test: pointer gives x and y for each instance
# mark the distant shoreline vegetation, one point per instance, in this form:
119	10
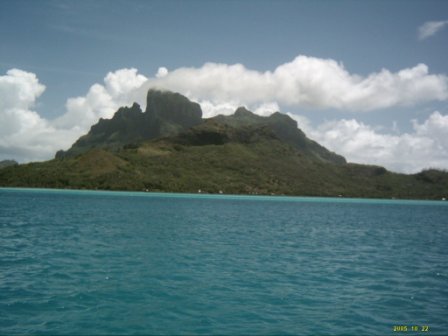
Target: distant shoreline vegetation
187	172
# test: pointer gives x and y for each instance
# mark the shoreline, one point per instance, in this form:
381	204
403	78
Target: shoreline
223	196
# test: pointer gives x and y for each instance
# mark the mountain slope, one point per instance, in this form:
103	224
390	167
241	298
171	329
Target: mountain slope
263	165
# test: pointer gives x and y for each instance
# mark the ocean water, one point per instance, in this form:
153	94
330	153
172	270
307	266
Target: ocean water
77	262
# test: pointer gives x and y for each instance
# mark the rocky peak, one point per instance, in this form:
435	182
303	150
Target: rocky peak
173	107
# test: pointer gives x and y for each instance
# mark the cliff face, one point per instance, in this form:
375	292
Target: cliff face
172	111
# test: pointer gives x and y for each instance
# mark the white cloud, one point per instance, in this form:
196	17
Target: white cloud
211	109
430	28
266	109
20	126
19	89
306	81
425	147
162	72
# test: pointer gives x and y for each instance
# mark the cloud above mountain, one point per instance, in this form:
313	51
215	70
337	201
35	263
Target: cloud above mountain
220	88
306	81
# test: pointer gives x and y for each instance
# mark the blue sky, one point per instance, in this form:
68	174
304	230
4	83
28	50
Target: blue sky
71	45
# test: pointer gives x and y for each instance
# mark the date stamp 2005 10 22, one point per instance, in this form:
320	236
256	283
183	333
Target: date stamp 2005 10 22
412	328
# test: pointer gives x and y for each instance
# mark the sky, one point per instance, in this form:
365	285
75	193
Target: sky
366	79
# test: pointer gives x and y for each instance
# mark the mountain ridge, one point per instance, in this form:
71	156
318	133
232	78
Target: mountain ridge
286	129
169	114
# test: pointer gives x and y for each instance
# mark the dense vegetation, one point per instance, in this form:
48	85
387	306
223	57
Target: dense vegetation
239	154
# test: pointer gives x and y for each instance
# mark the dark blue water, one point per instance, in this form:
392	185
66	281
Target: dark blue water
133	263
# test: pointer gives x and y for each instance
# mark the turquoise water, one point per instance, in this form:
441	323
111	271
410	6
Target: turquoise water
76	262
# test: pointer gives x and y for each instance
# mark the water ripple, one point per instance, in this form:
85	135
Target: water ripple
110	263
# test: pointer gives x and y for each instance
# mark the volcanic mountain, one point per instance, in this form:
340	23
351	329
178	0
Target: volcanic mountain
169	147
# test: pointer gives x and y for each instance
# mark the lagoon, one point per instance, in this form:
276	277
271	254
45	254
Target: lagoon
87	262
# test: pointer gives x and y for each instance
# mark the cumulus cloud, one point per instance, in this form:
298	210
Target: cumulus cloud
19	89
20	126
425	147
430	28
305	81
26	136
